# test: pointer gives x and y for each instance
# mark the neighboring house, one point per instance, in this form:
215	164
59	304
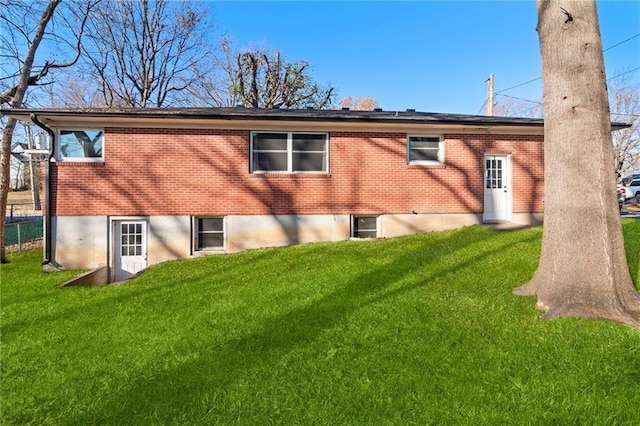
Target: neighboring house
16	167
132	188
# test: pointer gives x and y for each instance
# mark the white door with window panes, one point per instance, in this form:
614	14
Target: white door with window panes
130	248
497	195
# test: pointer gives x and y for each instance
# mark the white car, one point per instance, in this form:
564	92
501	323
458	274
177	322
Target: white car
632	191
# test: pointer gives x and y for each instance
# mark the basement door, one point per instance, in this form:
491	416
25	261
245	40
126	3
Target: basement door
497	196
130	248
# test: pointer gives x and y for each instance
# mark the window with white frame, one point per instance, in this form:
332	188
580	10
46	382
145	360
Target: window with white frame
425	150
364	227
289	152
80	144
209	233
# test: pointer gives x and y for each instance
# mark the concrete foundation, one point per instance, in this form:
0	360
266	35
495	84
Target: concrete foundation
87	242
95	277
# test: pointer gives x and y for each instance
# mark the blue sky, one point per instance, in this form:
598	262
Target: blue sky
429	55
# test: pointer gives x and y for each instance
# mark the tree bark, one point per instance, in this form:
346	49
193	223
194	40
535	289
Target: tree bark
16	102
583	270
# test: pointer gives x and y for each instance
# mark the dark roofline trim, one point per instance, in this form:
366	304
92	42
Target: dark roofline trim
242	114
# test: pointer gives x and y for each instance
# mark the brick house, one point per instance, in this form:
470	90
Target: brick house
132	188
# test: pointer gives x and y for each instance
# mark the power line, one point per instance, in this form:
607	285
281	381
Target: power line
482	107
518	85
622	42
538	104
540	78
608	48
537	108
520	99
626	72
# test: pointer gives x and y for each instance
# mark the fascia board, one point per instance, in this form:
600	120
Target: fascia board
60	120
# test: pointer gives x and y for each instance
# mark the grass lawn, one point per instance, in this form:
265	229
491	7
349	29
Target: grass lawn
19	197
413	330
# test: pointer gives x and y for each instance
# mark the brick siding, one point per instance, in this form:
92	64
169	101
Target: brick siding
206	172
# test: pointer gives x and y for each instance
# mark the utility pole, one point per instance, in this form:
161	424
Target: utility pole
490	95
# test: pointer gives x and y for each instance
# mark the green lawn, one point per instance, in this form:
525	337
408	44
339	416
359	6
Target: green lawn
413	330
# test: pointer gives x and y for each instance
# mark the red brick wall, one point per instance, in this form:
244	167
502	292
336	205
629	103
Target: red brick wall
206	172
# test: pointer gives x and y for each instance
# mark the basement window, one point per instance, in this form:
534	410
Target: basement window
80	145
364	227
209	233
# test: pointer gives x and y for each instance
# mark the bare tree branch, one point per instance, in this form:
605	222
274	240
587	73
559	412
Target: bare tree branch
147	53
24	21
14	95
259	79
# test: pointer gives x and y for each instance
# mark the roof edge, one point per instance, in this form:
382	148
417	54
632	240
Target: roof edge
308	114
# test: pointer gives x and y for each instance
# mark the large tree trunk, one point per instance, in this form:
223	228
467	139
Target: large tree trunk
17	96
5	182
583	269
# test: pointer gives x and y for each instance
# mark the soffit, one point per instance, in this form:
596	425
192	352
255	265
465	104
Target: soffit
293	120
274	119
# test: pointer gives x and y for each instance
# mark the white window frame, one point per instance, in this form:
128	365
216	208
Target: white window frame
355	217
60	157
290	152
440	159
196	234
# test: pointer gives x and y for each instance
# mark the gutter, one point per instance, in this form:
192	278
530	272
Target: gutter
271	114
47	190
160	116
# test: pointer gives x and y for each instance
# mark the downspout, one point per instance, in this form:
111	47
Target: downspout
47	190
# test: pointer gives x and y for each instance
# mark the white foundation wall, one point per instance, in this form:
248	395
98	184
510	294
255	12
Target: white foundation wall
526	219
395	225
85	242
168	238
250	232
80	242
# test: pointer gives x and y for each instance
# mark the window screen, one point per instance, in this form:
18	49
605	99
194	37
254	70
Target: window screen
309	153
425	149
270	152
289	152
210	233
365	226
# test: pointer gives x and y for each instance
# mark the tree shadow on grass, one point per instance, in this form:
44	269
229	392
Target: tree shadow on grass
113	301
631	230
217	366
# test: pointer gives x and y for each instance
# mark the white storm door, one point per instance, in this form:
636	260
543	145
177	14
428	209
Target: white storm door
130	248
497	205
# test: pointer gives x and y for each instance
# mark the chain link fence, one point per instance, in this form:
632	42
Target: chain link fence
24	227
23	235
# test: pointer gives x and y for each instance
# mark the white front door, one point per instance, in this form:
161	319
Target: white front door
130	248
497	198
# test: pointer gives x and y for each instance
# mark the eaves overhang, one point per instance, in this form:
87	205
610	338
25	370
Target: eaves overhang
261	118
